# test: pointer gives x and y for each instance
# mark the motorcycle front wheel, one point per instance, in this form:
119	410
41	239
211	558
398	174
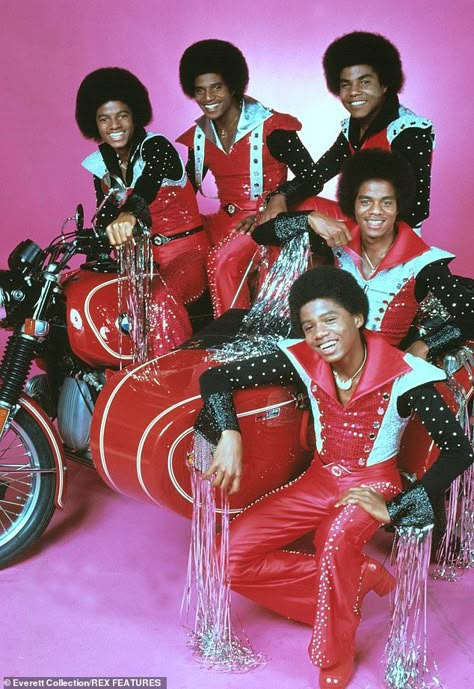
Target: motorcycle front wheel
28	476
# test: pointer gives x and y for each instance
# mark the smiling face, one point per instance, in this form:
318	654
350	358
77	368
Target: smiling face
213	96
361	92
115	124
376	210
333	332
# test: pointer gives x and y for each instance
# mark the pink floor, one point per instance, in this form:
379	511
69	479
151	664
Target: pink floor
100	595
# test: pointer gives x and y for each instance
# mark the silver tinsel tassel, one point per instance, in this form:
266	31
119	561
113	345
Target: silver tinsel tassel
406	658
213	639
134	287
455	553
268	319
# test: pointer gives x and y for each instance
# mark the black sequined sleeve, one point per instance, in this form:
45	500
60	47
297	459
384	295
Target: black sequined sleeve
285	227
282	229
161	161
313	180
191	169
454	458
217	385
455	294
287	147
109	210
416	145
135	204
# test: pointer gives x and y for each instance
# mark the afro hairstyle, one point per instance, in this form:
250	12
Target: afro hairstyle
213	56
376	164
104	85
363	48
326	282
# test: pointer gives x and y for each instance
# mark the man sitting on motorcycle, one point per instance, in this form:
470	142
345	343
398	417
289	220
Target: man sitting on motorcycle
113	108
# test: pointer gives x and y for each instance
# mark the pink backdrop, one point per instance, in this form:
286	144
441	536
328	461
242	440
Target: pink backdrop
49	45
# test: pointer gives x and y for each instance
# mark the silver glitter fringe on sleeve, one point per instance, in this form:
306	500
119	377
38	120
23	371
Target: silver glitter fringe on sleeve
207	597
407	665
134	291
268	321
455	553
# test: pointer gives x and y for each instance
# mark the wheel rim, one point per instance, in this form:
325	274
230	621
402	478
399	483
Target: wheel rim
21	473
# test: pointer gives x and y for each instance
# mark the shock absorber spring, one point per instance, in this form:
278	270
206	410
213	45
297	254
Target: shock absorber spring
15	367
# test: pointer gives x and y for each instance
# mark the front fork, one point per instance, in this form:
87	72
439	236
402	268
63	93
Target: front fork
16	365
14	369
21	350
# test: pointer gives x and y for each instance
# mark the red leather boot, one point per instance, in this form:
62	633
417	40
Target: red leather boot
374	578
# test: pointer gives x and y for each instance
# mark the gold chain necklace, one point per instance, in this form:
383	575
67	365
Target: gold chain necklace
123	163
224	131
373	267
347	384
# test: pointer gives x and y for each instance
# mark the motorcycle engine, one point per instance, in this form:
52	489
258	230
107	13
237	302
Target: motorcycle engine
75	407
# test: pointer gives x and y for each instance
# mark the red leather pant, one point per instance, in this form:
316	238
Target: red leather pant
321	589
179	282
227	266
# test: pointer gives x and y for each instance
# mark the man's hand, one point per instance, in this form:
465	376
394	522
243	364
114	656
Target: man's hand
276	205
247	225
333	231
419	348
370	501
227	464
121	229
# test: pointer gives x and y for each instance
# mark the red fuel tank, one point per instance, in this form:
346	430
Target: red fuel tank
93	319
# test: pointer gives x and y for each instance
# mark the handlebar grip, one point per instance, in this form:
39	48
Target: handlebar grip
93	235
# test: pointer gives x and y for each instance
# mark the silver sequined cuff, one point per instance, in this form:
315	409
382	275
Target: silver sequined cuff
291	225
412	508
443	339
217	415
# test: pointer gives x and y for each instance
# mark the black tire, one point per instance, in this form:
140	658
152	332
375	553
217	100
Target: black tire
28	475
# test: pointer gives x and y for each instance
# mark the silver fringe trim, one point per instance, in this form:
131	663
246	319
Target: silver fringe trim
212	637
406	656
134	291
268	321
455	553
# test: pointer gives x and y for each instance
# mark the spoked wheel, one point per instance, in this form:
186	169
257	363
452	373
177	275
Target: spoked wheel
28	476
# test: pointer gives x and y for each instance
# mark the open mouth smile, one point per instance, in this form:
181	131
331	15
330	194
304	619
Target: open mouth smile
328	347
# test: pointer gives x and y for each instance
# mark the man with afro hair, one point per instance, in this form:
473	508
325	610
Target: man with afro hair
247	147
394	266
113	108
365	71
362	392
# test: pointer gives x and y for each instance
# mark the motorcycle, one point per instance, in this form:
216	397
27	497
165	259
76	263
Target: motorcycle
72	324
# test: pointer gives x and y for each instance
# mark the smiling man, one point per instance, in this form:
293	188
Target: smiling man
394	266
247	147
365	71
362	393
113	108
